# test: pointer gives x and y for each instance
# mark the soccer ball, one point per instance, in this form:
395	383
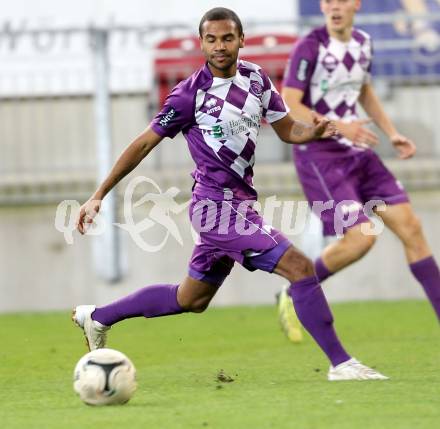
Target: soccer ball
104	377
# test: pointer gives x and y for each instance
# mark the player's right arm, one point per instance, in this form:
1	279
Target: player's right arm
127	162
354	131
176	114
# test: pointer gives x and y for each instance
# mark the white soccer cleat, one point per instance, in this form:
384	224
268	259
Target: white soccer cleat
94	332
353	370
289	322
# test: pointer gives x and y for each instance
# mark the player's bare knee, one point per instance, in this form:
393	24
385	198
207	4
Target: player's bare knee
199	305
299	266
358	243
366	244
189	304
194	296
199	308
306	268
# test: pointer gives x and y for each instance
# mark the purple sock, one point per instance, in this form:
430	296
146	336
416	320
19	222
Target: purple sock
427	273
322	272
315	315
150	301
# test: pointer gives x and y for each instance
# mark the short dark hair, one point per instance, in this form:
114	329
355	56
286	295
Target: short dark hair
220	14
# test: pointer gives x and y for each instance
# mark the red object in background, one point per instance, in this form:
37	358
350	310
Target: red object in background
177	58
270	52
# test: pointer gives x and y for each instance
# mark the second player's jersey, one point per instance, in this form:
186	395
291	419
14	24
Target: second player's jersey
220	119
331	73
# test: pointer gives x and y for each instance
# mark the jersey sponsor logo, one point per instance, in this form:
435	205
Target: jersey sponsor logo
213	110
301	73
236	126
212	107
330	62
256	89
211	103
324	85
167	117
217	131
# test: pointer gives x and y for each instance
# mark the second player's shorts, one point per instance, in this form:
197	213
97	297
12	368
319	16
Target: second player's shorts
352	184
230	233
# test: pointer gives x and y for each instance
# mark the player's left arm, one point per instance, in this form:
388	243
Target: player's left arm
373	107
293	131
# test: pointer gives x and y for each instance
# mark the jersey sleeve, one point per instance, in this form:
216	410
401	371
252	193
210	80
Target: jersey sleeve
368	72
177	113
274	107
301	64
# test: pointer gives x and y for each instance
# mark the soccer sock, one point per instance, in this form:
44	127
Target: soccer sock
427	273
315	315
150	301
322	272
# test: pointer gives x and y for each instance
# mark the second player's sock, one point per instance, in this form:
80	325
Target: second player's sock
426	271
150	301
315	315
322	272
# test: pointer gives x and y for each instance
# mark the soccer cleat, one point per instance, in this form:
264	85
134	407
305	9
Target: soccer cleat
94	332
289	322
353	370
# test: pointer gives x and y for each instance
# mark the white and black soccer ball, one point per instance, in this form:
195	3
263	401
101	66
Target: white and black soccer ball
104	377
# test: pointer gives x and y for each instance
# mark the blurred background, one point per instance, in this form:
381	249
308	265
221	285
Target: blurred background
79	81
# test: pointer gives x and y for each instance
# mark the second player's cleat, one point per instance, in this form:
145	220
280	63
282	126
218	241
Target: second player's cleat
94	332
354	370
289	322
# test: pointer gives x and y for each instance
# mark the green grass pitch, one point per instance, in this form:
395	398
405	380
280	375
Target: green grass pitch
276	384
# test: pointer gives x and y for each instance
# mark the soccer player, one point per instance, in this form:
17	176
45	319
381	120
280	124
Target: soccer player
328	73
219	109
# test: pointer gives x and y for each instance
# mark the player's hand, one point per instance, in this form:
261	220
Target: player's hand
358	133
323	127
404	146
87	213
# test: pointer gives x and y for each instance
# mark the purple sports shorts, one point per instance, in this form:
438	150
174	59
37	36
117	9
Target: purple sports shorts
231	231
340	188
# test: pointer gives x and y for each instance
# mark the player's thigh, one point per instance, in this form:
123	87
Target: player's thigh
195	295
356	240
331	188
378	184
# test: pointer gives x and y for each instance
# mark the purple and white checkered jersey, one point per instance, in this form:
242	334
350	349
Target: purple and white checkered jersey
331	73
220	119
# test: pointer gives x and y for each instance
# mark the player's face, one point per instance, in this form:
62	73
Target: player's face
220	42
339	14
